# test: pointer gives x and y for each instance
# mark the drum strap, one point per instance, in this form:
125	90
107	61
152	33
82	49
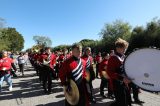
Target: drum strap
120	58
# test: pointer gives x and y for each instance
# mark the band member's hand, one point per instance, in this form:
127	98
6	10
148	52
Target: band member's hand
126	80
66	83
3	69
68	88
105	68
57	78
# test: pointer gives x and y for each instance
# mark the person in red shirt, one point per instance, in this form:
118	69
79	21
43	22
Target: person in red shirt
47	60
6	64
63	57
98	59
117	77
89	67
35	64
104	78
75	68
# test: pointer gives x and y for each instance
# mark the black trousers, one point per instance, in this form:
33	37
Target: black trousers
56	70
97	69
21	67
47	78
83	95
89	87
135	90
32	62
40	71
105	84
36	67
122	94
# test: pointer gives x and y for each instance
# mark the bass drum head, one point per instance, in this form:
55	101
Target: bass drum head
143	67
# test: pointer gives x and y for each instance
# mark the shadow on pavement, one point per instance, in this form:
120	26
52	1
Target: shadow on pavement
62	103
27	88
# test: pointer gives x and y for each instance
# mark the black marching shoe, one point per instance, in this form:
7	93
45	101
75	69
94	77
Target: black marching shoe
104	96
138	102
93	100
49	91
111	97
45	91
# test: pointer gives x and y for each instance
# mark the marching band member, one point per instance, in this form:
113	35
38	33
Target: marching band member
6	64
47	60
63	57
89	68
98	59
104	77
34	62
75	68
118	80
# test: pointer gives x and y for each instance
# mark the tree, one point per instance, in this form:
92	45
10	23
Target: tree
61	47
88	43
116	29
43	40
137	39
146	37
111	32
11	40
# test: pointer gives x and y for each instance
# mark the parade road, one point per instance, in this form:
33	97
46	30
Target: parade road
27	91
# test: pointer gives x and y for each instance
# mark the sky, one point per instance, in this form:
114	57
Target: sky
69	21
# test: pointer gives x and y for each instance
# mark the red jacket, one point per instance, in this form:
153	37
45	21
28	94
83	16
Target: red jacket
72	69
63	57
35	57
114	69
103	66
98	59
45	56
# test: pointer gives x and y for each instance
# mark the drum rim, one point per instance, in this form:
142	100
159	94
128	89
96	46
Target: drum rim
125	70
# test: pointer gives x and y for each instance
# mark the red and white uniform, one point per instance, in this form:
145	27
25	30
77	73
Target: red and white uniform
75	69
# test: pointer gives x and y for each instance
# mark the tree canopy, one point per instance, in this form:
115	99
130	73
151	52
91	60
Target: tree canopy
138	37
42	40
11	39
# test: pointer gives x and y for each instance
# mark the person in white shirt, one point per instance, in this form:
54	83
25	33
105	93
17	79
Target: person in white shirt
21	62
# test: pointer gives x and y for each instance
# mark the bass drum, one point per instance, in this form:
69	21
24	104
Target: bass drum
143	67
